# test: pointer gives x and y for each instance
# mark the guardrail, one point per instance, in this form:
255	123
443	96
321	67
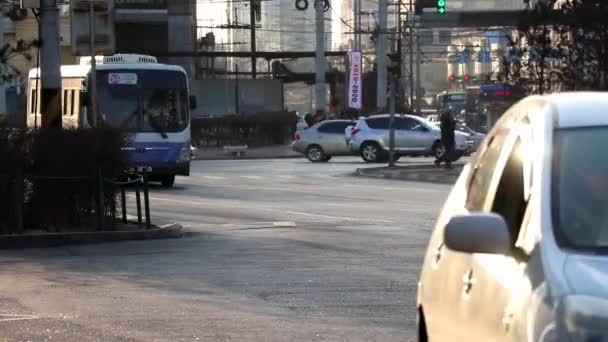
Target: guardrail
138	180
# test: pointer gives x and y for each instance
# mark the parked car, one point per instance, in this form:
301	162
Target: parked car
323	140
414	136
519	251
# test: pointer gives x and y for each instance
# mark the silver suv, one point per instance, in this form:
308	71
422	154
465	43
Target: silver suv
414	136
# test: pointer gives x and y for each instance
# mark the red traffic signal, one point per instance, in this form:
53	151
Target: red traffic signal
467	77
452	78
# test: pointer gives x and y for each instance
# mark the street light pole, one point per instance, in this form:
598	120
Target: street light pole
253	38
320	57
381	50
50	65
410	24
93	85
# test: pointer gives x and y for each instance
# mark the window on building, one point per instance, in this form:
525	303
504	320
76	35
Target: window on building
425	37
445	37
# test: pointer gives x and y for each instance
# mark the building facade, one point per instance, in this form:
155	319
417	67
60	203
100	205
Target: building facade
279	27
157	27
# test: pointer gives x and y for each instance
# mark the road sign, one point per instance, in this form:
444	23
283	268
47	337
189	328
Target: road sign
484	56
462	57
103	16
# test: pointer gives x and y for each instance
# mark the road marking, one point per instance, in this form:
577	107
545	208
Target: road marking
397	188
10	318
251	177
213	177
284	224
338	217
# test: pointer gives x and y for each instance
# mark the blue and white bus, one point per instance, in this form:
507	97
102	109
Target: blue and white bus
134	93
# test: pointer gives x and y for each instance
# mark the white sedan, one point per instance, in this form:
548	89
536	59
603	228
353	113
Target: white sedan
520	249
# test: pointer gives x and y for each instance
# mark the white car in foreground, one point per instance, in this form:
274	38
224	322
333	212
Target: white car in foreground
520	249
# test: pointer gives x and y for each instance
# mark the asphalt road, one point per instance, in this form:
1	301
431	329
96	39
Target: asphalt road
276	250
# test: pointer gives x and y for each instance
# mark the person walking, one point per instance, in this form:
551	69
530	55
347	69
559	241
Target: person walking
447	126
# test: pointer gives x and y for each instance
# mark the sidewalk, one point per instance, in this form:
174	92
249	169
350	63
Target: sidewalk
415	173
268	152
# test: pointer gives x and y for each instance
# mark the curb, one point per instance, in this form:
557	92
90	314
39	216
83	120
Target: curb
412	176
173	231
249	158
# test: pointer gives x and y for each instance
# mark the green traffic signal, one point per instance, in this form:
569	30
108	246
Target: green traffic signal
441	6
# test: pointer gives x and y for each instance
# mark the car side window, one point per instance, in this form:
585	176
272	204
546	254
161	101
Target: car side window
378	123
483	171
334	127
510	201
407	124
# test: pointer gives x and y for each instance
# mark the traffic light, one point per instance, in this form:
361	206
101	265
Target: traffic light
452	78
103	11
441	6
467	78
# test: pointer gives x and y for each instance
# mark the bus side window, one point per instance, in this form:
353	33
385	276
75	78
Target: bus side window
72	99
64	102
77	103
34	102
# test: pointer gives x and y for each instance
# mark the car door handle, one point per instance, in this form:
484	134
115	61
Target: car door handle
507	318
437	254
468	281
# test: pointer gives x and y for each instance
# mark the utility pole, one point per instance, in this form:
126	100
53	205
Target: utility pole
93	85
253	47
392	106
410	24
418	88
355	25
358	26
50	65
320	58
381	50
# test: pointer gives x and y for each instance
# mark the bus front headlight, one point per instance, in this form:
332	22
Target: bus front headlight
185	154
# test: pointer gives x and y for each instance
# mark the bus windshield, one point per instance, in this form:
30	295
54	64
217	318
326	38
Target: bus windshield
143	100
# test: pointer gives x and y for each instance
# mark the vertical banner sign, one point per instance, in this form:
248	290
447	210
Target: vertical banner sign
354	81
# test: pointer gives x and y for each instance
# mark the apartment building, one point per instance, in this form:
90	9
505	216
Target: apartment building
168	26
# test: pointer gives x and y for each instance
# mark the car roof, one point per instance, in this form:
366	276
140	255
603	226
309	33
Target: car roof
333	120
577	109
380	116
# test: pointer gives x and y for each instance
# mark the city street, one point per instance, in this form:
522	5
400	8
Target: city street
275	250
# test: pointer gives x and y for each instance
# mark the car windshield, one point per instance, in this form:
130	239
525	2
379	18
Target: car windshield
143	100
580	190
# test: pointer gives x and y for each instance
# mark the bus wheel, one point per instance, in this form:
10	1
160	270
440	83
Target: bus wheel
167	181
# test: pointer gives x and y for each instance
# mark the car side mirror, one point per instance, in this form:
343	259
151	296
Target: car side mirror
193	103
478	233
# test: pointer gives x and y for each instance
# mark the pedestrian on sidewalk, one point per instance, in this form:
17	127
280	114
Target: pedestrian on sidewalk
448	139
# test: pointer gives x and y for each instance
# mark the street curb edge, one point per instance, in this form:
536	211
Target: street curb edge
172	231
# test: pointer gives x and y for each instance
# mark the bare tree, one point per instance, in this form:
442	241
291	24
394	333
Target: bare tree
561	47
19	48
